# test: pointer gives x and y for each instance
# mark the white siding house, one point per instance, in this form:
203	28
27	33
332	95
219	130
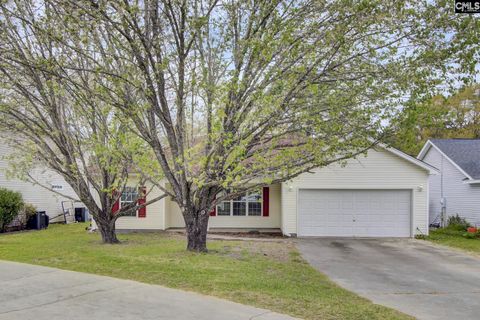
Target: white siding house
382	194
370	195
41	198
457	187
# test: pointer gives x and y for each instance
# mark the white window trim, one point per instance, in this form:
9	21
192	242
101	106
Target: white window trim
246	207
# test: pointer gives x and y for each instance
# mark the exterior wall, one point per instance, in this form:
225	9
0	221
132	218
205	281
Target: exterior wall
173	215
155	219
379	170
41	198
175	219
461	198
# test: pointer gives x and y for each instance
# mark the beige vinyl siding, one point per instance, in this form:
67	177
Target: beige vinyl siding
380	170
173	215
462	199
155	219
41	198
175	219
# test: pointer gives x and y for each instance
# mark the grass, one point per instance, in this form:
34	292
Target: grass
271	275
453	237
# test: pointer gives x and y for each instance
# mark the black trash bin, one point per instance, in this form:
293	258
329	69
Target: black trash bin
81	214
46	221
38	221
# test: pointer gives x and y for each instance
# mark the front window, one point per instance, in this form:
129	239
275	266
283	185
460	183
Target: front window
129	195
224	208
249	204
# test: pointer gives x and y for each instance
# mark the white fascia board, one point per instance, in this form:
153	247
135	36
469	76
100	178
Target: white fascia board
424	150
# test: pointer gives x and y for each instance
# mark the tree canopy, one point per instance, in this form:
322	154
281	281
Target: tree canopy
230	95
64	125
441	117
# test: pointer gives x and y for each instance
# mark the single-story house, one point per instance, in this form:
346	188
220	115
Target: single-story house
384	194
456	189
43	199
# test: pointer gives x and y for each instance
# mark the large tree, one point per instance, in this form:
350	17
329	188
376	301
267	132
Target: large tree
442	117
230	95
65	125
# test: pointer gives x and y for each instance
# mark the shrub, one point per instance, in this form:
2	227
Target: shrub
29	210
20	222
470	235
458	223
10	204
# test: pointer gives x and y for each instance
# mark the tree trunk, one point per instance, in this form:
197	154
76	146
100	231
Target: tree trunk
196	228
107	231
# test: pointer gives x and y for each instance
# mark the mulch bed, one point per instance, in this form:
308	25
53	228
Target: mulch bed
263	235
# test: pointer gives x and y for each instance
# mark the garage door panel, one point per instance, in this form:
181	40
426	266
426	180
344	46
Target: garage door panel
338	231
354	213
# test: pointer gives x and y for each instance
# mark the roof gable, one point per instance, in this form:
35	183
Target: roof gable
463	153
430	169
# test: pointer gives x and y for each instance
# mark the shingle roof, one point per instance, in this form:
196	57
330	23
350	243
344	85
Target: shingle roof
464	152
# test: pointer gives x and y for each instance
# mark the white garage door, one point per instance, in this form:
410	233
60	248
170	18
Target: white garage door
354	213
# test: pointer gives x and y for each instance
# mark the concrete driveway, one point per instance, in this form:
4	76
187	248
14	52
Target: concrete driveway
33	292
413	276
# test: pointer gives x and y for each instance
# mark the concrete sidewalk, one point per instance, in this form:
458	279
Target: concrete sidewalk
40	293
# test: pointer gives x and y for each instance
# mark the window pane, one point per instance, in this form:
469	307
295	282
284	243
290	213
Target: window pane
241	198
223	208
254	208
129	195
239	209
255	196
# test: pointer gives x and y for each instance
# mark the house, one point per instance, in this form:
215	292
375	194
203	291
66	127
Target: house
456	190
384	194
43	199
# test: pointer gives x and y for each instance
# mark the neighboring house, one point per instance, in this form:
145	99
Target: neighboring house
382	195
40	197
457	187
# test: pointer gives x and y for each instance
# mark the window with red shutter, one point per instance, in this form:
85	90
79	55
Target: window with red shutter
266	201
116	205
213	212
142	199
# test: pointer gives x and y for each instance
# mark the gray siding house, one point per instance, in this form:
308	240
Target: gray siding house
456	190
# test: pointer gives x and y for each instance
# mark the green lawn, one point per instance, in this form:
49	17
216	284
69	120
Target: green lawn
453	238
270	275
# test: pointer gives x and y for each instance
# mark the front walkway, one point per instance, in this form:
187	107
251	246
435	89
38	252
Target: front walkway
40	293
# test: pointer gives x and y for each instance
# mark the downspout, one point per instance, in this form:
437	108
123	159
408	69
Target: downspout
441	178
443	204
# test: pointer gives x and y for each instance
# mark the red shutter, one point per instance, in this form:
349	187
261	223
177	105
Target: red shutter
116	205
142	199
214	211
266	201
